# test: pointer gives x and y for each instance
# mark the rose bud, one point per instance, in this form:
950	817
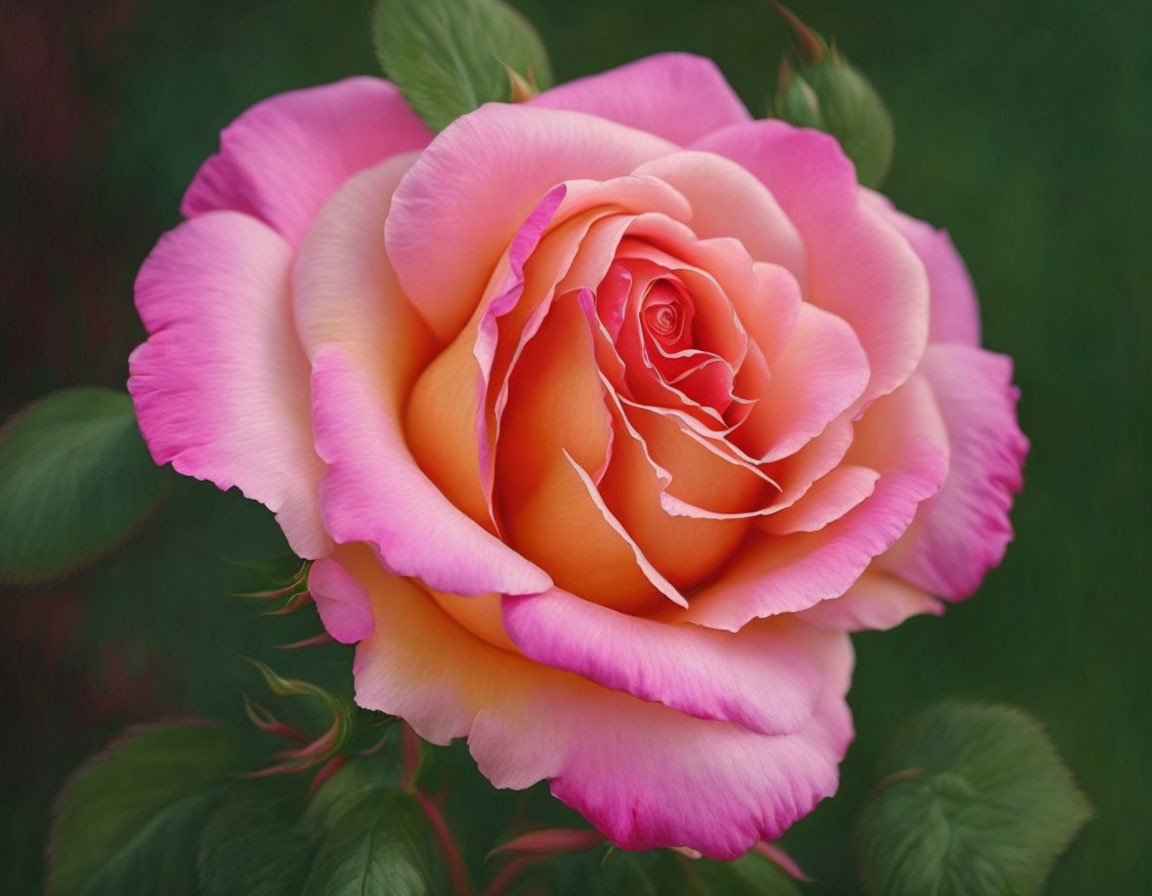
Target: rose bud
824	91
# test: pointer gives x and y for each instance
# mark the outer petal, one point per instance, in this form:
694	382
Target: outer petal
677	96
221	385
765	677
875	603
367	344
375	492
962	532
954	311
859	267
283	158
498	162
647	776
344	604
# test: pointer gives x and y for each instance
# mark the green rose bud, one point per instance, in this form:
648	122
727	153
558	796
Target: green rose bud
822	90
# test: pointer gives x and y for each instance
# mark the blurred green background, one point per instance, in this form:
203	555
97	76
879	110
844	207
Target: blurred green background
1022	127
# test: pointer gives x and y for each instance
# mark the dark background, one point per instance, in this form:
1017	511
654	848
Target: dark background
1023	127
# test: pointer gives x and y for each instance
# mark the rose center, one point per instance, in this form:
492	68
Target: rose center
664	314
665	319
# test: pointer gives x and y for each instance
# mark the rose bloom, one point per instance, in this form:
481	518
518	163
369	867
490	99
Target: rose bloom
605	417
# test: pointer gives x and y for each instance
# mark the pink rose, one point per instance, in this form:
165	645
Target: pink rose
605	417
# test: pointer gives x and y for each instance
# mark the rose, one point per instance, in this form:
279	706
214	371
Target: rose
604	417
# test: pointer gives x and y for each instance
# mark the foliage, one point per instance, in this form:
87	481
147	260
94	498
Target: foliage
975	802
75	480
449	57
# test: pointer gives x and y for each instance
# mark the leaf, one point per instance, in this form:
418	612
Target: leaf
379	844
127	821
161	859
75	480
449	57
658	872
251	845
751	873
975	801
329	804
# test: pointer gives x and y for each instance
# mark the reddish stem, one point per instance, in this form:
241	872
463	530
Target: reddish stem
410	754
509	874
454	861
325	774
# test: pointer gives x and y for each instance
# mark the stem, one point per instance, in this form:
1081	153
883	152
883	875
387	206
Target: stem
454	861
907	774
508	875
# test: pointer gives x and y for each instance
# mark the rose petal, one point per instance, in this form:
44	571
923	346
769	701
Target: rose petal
344	604
963	531
555	406
954	311
700	472
827	501
367	344
501	159
859	267
876	602
649	777
678	96
375	492
447	411
565	526
729	201
903	438
221	385
820	372
283	158
633	489
345	292
766	677
645	775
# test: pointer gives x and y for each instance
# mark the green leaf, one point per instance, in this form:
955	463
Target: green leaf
251	845
75	480
975	802
658	872
449	57
127	821
751	874
329	804
161	859
379	844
